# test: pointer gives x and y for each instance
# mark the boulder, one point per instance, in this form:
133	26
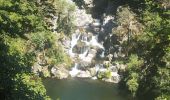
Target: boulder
113	68
106	63
36	68
108	80
92	71
82	18
84	74
45	72
108	74
83	65
41	60
89	3
60	73
103	73
80	47
66	43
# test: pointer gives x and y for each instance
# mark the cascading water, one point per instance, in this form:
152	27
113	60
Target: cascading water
84	48
74	70
75	38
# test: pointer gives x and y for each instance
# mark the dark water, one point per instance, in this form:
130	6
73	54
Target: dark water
83	89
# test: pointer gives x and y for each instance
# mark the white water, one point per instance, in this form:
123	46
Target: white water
74	70
94	42
102	54
97	67
75	38
86	56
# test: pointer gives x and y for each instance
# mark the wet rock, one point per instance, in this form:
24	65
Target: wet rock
83	65
96	23
107	80
84	74
86	37
80	47
107	19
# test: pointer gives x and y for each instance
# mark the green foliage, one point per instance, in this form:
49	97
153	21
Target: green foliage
29	87
23	33
64	12
125	15
132	76
132	83
57	56
16	80
16	19
43	40
163	97
46	42
105	74
19	17
134	63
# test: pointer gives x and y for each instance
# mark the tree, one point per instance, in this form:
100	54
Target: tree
150	78
63	13
128	27
18	18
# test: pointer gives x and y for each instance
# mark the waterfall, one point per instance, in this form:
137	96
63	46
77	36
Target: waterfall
86	49
84	55
94	42
74	40
102	54
74	70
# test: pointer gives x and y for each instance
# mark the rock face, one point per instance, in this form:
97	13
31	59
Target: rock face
41	70
59	73
82	19
36	68
108	74
86	48
80	48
